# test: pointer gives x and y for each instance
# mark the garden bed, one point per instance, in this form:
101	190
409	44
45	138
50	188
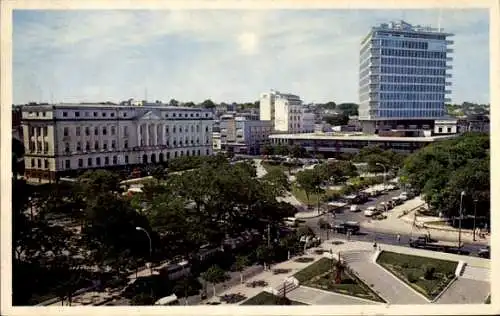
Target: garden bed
319	275
266	298
428	276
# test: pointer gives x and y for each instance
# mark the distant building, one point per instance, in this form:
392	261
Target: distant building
17	129
242	135
287	112
402	80
474	123
61	139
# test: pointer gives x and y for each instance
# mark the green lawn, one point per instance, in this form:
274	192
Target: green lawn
301	195
411	269
269	167
319	275
265	298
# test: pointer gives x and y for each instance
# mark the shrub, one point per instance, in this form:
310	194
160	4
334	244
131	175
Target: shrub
429	272
412	278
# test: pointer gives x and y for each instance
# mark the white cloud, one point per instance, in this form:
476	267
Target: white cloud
223	55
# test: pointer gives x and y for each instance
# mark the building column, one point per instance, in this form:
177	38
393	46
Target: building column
139	135
42	142
164	134
36	138
155	134
147	135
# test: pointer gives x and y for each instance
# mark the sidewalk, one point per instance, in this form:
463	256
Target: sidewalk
273	280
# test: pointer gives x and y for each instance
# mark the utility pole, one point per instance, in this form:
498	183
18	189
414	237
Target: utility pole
460	220
474	225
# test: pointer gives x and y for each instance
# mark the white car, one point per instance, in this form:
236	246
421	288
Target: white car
370	211
403	196
354	208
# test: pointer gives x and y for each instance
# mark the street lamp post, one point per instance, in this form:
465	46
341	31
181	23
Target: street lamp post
462	194
474	224
385	172
150	247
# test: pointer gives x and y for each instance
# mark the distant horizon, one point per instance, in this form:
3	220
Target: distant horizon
195	55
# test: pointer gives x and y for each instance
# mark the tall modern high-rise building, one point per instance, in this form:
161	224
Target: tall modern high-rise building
403	77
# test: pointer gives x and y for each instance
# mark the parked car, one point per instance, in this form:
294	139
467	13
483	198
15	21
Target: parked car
403	196
355	208
484	252
396	200
370	211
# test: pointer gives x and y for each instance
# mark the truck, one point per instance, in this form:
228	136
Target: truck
426	242
344	227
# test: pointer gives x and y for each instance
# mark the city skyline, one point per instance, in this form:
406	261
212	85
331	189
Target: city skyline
65	56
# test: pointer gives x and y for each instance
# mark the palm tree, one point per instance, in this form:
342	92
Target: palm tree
214	275
240	264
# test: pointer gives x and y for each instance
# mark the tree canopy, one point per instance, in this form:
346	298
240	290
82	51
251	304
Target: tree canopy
441	171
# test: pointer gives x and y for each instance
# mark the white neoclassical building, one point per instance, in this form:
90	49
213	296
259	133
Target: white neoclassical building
61	138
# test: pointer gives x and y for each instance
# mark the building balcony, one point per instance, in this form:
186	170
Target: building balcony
449	58
450	42
447	91
447	83
449	67
450	50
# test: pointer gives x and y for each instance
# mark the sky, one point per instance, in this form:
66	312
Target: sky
222	55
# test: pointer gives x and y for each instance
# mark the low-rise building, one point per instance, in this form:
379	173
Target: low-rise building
334	144
242	135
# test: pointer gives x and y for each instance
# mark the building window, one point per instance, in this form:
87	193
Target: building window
77	131
206	129
106	161
46	147
65	114
43	114
89	162
87	131
126	159
46	164
440	130
45	131
125	114
103	114
67	164
173	129
32	163
96	145
66	131
125	131
125	144
39	163
66	147
98	161
96	131
78	146
180	129
115	160
199	152
112	114
197	114
113	144
113	130
80	163
208	152
449	129
104	131
105	145
87	146
95	114
174	115
87	114
77	114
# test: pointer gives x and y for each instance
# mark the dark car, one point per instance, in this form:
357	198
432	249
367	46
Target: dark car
484	252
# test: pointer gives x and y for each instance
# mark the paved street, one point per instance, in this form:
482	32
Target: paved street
314	296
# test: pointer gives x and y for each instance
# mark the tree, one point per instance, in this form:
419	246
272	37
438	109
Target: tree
17	157
297	151
337	120
214	275
309	181
95	182
173	102
208	104
441	171
241	263
264	255
268	150
348	108
278	181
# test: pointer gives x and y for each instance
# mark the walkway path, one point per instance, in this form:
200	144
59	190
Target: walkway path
389	287
466	291
312	296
